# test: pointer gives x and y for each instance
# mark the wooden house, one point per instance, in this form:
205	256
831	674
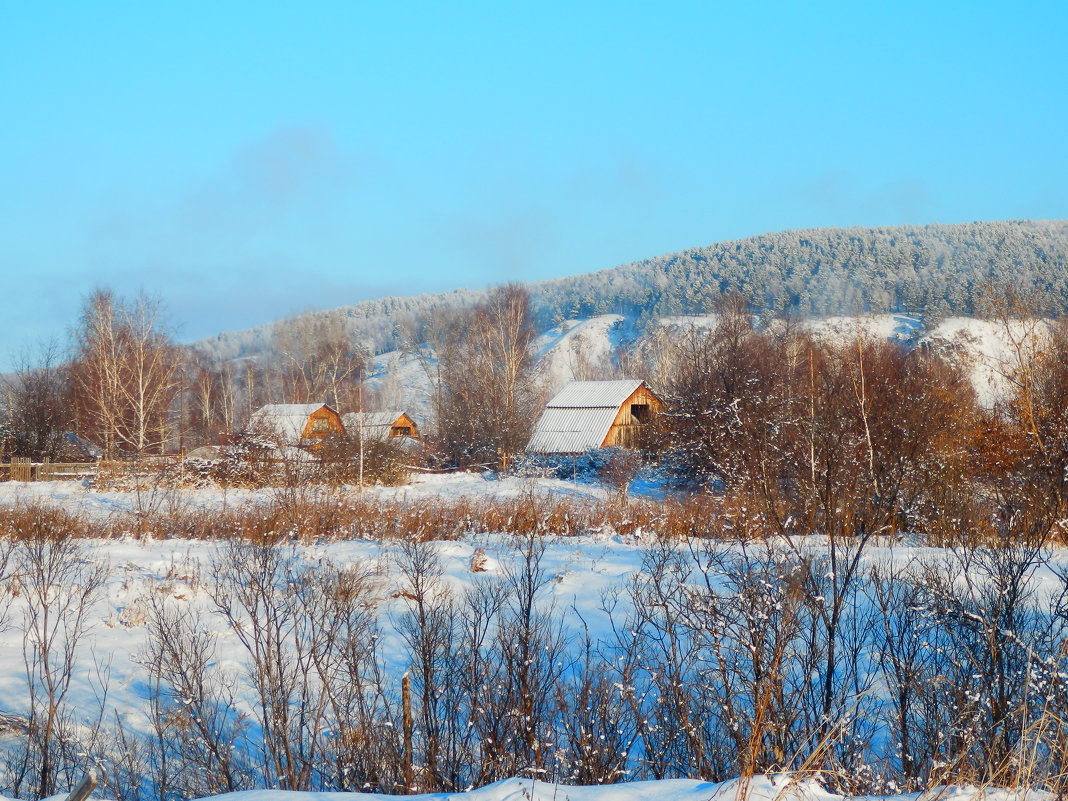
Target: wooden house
586	415
295	424
380	425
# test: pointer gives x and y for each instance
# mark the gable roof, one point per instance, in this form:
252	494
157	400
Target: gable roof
287	420
370	419
376	425
579	416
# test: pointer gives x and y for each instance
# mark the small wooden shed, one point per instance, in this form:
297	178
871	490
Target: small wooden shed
380	425
297	423
586	415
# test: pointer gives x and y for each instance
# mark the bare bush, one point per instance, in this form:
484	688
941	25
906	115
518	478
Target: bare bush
199	745
258	590
59	583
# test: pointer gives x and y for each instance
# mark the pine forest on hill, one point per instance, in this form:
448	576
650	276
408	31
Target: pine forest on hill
939	269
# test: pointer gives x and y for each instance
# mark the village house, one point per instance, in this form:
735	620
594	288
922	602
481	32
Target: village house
296	424
380	425
586	415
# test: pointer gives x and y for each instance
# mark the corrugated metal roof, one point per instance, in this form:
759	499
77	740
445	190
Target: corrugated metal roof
580	416
286	409
594	394
571	430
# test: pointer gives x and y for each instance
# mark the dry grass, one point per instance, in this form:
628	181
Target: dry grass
316	514
332	516
35	521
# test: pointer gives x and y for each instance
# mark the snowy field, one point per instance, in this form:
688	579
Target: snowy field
584	578
582	569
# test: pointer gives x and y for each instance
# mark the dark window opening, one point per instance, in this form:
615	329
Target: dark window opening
640	412
400	431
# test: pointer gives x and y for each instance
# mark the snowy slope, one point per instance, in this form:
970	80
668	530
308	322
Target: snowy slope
398	380
577	349
590	349
843	329
989	350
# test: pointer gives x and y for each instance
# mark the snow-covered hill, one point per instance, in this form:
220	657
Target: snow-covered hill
815	272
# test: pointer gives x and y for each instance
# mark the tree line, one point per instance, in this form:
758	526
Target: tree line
939	270
128	390
869	436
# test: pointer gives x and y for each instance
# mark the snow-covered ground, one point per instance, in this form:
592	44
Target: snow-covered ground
75	497
583	568
758	788
582	573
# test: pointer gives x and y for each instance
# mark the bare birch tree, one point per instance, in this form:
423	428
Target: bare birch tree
320	360
127	373
488	398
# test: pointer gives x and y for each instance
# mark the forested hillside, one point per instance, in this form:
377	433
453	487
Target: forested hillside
936	269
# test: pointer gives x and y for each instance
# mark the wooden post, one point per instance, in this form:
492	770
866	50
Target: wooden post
361	437
406	702
87	785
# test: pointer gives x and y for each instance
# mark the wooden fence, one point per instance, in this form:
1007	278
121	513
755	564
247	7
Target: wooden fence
23	469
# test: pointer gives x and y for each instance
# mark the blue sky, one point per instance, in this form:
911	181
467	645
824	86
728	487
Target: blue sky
245	161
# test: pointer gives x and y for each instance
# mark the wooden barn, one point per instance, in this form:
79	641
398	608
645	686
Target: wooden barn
586	415
296	423
380	425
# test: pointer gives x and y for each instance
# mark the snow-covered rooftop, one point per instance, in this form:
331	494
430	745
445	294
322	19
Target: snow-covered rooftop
286	420
594	394
580	416
374	425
